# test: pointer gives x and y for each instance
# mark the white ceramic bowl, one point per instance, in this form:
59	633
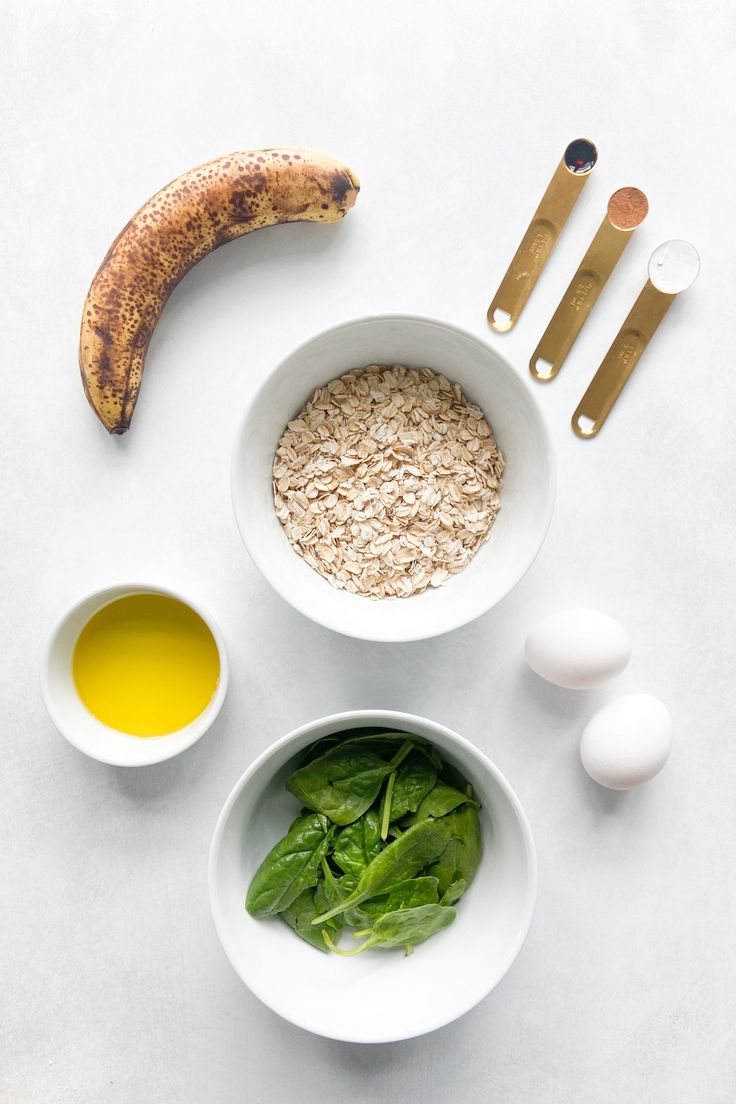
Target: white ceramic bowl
73	719
526	500
379	996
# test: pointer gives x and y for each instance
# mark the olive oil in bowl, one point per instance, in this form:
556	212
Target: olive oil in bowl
146	665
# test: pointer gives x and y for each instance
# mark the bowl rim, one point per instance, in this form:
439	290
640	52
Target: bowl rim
326	620
405	720
161	747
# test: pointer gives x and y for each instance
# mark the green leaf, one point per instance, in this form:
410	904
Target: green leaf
460	858
409	894
385	739
414	779
341	784
404	928
441	800
333	868
451	776
290	867
416	848
332	891
407	927
357	844
451	896
319	747
300	914
385	743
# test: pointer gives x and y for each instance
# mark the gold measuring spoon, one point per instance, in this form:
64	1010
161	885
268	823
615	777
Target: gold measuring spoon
673	267
541	237
627	209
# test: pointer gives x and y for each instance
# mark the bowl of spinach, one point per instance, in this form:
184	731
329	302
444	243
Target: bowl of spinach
372	876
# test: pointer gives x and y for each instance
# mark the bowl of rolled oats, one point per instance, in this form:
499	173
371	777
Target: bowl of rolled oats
393	478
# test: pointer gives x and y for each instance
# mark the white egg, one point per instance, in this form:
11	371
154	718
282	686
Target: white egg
578	648
627	742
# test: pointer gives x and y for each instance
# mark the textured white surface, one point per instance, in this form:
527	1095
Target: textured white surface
114	985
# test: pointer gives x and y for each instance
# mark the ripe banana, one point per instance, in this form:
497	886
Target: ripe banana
197	212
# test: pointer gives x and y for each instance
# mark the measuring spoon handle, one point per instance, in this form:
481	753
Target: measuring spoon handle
535	247
620	360
578	301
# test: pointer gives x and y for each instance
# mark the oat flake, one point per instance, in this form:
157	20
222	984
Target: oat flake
387	482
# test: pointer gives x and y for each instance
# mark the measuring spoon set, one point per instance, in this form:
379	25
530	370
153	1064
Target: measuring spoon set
673	267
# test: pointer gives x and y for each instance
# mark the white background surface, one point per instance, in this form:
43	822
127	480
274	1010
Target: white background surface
114	987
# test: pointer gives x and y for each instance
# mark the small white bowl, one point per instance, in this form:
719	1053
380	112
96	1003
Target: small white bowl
73	719
379	996
527	497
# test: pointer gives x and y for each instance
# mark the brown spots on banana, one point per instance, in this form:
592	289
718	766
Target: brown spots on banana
194	214
342	185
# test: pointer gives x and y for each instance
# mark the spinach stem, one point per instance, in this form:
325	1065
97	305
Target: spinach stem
402	753
333	912
385	800
386	805
338	950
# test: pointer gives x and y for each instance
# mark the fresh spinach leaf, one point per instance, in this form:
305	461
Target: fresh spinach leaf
451	776
415	777
451	895
460	858
354	735
403	928
385	739
416	848
319	747
357	844
409	894
385	743
291	866
321	900
332	891
441	800
336	891
334	867
300	914
341	784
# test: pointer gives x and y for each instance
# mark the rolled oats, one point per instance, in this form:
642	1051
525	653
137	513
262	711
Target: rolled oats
388	481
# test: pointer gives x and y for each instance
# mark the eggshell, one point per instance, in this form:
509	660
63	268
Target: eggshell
578	648
627	742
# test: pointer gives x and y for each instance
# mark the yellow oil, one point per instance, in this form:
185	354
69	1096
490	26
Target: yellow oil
146	665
